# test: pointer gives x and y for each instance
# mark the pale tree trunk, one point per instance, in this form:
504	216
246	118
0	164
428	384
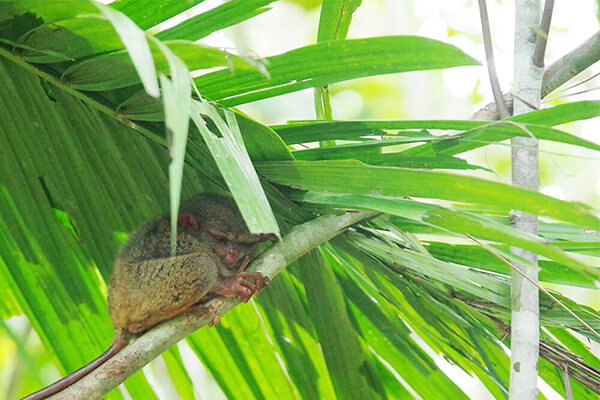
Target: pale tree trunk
525	173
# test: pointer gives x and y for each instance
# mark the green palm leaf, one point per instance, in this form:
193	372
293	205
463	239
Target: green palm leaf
85	158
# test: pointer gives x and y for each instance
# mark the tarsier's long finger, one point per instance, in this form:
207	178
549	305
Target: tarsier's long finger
250	285
231	288
252	238
221	235
244	264
257	276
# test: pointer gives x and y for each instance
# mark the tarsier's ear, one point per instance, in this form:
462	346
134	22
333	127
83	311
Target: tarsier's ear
188	221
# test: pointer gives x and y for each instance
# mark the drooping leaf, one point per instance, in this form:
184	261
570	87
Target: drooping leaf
177	100
234	163
137	47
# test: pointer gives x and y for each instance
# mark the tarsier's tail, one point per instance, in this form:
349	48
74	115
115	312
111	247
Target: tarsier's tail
77	375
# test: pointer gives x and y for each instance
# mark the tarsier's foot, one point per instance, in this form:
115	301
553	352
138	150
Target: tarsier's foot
187	221
241	285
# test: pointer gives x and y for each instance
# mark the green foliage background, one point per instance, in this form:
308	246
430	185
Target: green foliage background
85	157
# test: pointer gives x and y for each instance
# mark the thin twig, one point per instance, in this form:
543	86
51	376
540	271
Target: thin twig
523	128
567	382
542	37
489	55
571	94
582	82
511	265
525	101
562	358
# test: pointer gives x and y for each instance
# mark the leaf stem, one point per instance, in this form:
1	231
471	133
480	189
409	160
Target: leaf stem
93	103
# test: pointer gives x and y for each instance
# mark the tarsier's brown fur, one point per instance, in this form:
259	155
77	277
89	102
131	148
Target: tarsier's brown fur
149	286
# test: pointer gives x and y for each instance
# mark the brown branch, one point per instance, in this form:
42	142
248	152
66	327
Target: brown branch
571	64
542	36
489	54
300	240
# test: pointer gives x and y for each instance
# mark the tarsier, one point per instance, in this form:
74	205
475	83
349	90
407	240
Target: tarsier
149	286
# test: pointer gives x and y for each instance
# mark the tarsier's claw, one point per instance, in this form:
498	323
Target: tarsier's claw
265	282
214	321
245	294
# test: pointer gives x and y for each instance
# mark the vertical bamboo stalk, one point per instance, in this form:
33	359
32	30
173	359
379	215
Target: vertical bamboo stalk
525	173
